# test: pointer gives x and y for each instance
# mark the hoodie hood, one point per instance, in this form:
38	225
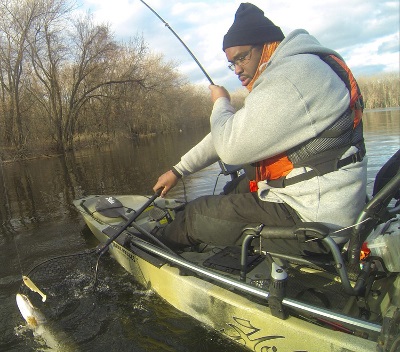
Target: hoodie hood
300	42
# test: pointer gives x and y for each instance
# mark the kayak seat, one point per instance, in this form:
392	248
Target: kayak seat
345	260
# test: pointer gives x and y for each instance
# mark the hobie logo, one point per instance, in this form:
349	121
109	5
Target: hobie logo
110	200
246	333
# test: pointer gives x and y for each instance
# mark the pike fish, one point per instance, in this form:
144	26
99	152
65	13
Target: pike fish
53	338
29	283
31	314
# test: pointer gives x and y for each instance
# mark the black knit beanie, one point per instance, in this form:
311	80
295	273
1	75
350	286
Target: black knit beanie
251	27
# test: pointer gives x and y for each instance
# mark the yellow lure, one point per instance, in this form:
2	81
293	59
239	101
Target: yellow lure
29	283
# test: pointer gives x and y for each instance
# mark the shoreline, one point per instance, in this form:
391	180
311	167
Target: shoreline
13	155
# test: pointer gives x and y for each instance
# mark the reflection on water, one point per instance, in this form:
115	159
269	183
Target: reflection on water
37	222
382	136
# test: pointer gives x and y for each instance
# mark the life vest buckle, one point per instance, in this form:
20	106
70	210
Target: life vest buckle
359	105
356	157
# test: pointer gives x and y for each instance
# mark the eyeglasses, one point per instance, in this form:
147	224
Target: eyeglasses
241	60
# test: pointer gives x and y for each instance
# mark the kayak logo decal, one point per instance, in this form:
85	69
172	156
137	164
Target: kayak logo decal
110	200
245	332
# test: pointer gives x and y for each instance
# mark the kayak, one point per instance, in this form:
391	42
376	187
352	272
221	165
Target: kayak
262	301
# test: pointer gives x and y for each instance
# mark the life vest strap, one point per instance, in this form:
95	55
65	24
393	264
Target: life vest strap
283	182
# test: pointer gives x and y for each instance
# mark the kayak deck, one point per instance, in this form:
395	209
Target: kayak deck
241	316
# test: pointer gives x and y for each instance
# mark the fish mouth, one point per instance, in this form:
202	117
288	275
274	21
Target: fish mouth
23	302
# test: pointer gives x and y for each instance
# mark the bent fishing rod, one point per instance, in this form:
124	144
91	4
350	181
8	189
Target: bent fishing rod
177	36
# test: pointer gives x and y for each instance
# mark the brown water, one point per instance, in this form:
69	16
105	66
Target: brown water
37	222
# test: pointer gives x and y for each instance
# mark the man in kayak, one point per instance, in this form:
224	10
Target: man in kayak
300	128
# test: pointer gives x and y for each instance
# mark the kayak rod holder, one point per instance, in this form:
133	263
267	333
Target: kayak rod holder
244	255
242	286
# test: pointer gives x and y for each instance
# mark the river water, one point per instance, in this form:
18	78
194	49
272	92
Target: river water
37	222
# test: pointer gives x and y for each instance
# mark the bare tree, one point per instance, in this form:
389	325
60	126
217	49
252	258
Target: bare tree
47	52
76	71
15	23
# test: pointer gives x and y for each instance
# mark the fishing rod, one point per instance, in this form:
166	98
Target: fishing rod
177	36
129	221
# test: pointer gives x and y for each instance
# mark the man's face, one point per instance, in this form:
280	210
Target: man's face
245	59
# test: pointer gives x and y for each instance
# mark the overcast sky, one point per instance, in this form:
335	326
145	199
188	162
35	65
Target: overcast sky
364	32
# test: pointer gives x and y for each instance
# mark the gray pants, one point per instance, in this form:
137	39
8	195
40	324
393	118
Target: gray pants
219	220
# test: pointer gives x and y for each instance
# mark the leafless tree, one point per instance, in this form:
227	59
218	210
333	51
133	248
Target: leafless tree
77	71
16	22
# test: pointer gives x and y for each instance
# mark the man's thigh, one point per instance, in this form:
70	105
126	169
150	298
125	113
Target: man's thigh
219	220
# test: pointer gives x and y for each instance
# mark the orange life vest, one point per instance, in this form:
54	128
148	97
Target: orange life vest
278	166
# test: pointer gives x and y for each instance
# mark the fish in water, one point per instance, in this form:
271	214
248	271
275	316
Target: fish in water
31	314
29	283
55	340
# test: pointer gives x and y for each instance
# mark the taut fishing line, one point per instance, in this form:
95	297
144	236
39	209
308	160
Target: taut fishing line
66	276
186	47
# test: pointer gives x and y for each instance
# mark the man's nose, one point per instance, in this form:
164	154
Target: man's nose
238	69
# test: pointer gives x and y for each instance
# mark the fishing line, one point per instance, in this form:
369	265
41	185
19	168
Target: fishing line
18	255
351	226
216	183
27	283
86	252
176	35
20	263
95	250
14	233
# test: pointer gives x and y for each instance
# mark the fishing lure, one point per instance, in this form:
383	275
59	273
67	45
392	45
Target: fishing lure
29	283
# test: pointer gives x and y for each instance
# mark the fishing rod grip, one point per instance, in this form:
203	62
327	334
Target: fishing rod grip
134	216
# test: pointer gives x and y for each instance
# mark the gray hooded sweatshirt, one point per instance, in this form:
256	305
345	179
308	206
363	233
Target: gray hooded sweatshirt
294	99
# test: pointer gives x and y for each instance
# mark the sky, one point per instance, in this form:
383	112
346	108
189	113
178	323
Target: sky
364	32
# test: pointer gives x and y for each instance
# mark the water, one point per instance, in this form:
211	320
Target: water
37	222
